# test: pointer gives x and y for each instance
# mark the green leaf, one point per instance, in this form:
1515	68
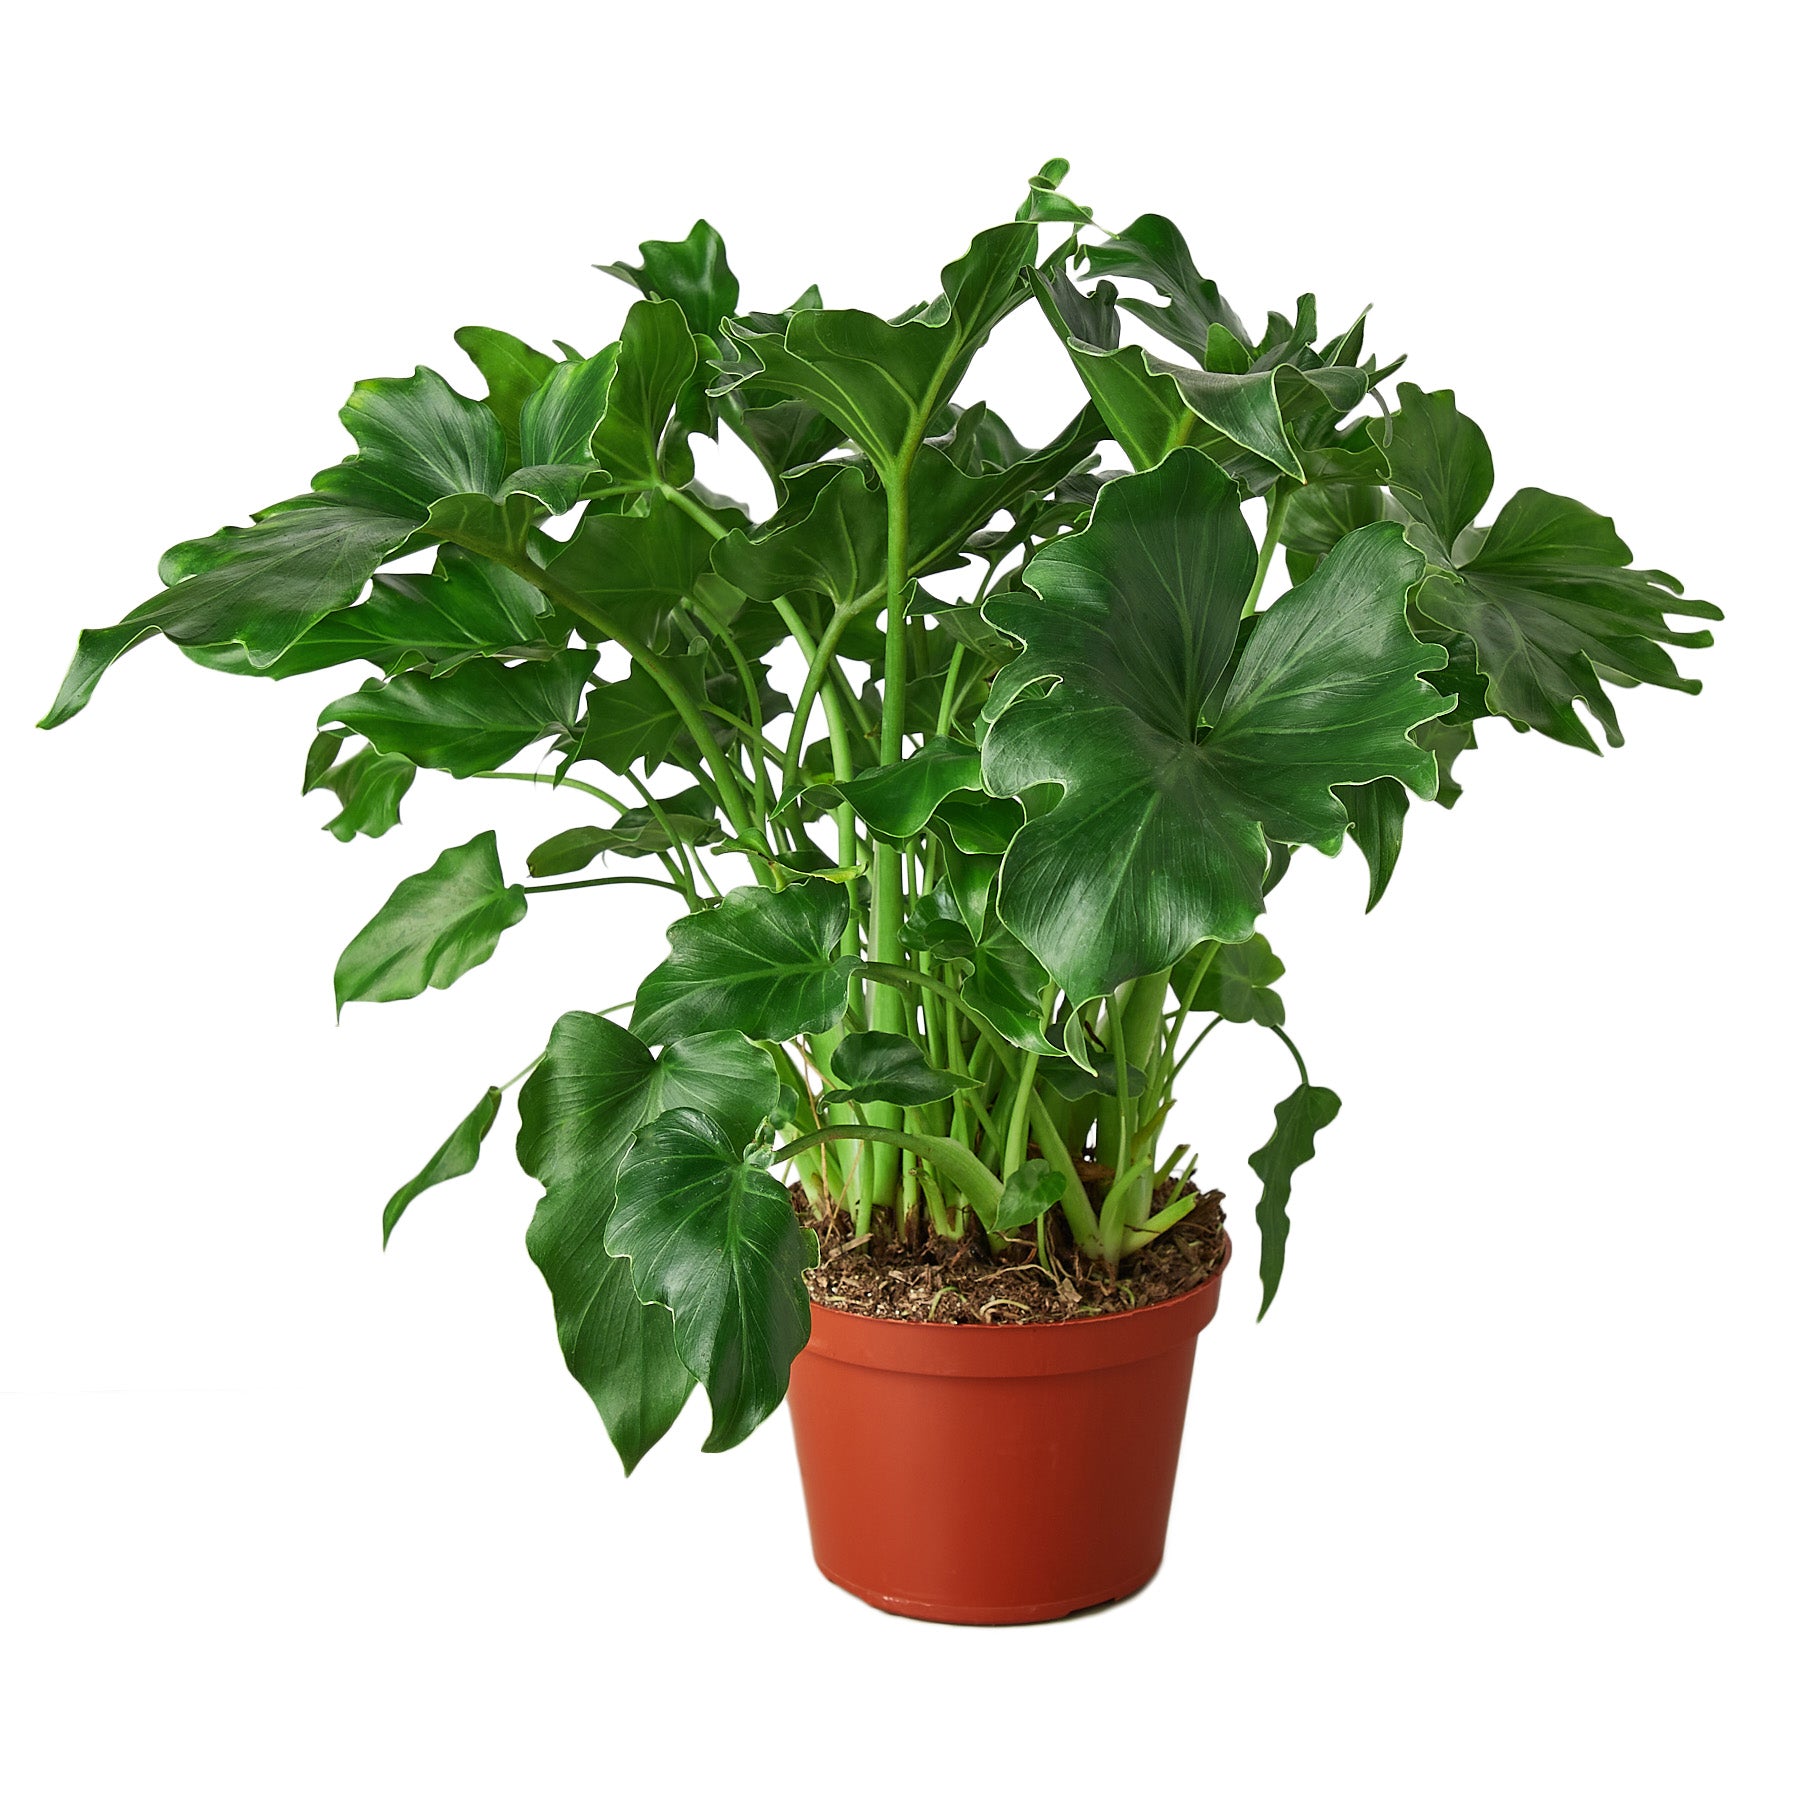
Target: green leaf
1175	777
1553	609
1441	469
883	1066
693	273
635	566
596	1085
655	358
264	586
1238	984
837	547
1377	812
466	607
1152	250
636	832
456	1155
1005	985
1298	1121
557	424
434	927
1030	1192
895	800
418	440
474	719
715	1240
369	787
628	722
880	383
1044	205
1152	407
764	963
513	372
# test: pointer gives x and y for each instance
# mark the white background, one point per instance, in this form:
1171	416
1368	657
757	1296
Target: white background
1498	1501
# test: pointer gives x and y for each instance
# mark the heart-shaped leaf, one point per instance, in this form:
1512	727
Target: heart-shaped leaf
1030	1192
1237	984
433	928
715	1240
882	1066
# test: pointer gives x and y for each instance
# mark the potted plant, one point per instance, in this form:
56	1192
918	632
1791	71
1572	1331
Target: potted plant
972	767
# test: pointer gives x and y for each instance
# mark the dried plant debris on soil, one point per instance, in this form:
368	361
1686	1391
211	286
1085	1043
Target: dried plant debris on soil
960	1281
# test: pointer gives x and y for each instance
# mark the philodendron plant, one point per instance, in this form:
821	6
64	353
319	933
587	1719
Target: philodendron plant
972	766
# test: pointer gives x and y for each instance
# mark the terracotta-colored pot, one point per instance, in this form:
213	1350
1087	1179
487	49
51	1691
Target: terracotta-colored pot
994	1474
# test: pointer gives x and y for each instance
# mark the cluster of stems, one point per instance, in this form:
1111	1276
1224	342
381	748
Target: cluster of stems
904	1167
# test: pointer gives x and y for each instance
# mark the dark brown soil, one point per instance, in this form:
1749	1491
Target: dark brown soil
959	1281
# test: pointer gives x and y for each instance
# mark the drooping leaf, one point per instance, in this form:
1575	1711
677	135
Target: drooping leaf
715	1240
369	788
265	585
1174	779
764	963
455	1156
434	927
1030	1192
1377	812
474	719
687	816
596	1085
466	607
1553	608
1298	1121
882	1066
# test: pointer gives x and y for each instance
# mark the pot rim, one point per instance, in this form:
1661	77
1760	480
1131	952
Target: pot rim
1009	1348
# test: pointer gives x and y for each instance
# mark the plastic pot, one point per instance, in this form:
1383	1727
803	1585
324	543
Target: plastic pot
994	1474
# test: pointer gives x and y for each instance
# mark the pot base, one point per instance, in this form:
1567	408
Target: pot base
994	1474
946	1612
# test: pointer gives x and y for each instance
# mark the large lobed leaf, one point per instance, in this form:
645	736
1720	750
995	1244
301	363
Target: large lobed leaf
715	1240
1176	768
596	1085
764	963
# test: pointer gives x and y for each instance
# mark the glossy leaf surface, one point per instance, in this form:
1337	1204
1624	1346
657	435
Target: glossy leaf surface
1298	1121
715	1240
596	1085
435	927
455	1156
764	963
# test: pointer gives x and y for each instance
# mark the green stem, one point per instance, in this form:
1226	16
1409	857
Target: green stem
887	1006
1280	497
731	794
562	887
958	1163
